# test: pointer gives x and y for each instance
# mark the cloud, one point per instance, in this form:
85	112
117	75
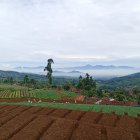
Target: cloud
97	31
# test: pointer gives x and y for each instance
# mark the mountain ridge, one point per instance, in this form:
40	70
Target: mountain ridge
88	66
84	67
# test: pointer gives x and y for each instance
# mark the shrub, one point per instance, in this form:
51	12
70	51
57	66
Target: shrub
67	86
139	99
120	97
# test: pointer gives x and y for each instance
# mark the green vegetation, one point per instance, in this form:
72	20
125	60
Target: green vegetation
26	80
131	81
88	85
18	78
52	94
122	89
120	110
139	99
11	88
15	91
67	86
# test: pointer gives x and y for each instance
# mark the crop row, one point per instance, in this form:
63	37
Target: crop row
16	94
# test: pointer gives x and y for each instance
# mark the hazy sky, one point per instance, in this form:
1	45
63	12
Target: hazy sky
72	32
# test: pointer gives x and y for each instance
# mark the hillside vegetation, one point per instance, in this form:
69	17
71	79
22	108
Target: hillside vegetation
132	80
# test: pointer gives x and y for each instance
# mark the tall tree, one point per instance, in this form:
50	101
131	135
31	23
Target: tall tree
26	79
49	70
11	80
139	99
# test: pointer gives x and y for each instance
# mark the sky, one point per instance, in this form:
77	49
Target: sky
72	32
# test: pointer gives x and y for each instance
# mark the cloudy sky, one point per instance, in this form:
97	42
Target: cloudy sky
72	32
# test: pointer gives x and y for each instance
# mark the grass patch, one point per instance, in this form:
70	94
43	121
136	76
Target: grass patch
120	110
52	94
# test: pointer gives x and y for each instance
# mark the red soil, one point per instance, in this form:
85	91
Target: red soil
43	123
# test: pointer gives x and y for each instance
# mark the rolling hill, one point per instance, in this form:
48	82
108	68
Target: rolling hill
99	67
18	75
58	80
132	80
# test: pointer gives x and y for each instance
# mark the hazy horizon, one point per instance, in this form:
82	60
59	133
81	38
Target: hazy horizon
72	32
96	72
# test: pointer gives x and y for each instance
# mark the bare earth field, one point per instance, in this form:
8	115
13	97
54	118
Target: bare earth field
42	123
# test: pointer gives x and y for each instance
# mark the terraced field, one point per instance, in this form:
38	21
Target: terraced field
16	94
42	123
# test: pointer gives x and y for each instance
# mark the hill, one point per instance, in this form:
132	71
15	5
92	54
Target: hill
19	76
58	80
132	80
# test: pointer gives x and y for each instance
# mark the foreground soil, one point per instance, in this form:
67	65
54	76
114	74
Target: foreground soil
42	123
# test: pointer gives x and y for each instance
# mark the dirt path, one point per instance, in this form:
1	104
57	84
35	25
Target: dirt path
65	100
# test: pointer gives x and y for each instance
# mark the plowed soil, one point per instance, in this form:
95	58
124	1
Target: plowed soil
43	123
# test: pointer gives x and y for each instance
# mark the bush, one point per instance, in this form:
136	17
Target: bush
90	93
100	93
120	97
67	86
88	87
54	86
139	99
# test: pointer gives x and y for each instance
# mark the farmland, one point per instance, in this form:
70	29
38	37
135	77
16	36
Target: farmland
12	92
16	94
64	124
56	98
40	94
56	119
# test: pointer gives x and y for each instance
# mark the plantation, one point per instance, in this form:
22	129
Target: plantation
52	94
40	94
14	91
11	88
16	94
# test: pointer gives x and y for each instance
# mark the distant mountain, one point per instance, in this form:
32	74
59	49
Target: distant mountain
132	80
86	67
57	71
74	71
29	68
39	70
71	73
98	67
